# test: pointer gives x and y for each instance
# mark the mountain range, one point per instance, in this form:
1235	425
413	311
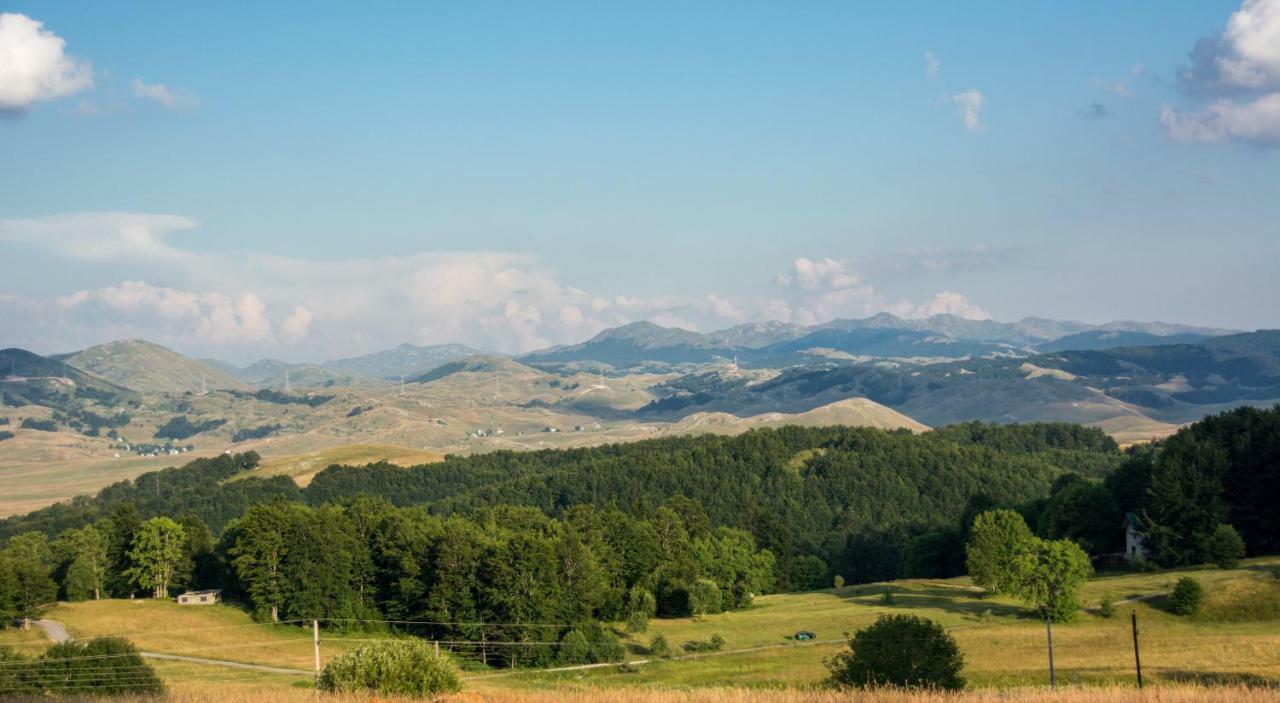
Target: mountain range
82	412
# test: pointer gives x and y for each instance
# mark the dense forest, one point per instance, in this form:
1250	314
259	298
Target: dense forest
555	542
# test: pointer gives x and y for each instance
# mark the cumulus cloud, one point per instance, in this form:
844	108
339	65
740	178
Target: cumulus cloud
247	304
1241	67
949	303
969	108
816	291
932	66
135	308
34	65
160	93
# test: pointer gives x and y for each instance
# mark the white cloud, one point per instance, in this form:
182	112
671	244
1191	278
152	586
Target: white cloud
1256	121
101	236
932	66
1242	66
137	308
948	303
34	66
816	291
295	327
248	304
1248	53
969	108
164	95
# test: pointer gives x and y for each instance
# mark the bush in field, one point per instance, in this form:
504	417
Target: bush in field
574	649
1107	608
658	647
605	645
397	667
704	597
715	644
907	651
1224	547
1188	596
105	665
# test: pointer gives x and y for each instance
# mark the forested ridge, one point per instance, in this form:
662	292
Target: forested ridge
573	538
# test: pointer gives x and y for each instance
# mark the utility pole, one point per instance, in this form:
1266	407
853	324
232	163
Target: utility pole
1137	659
1048	624
315	638
401	385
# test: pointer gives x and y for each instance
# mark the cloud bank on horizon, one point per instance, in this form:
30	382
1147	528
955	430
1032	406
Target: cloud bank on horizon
246	303
252	303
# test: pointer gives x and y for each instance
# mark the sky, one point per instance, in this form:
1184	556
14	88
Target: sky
248	180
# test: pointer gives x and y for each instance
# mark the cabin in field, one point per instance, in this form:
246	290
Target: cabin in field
200	597
1135	548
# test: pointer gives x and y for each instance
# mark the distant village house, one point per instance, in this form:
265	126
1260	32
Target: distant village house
200	597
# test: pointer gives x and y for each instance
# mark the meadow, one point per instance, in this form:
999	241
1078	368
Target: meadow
1233	642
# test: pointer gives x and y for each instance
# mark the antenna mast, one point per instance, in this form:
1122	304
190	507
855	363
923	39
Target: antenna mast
286	380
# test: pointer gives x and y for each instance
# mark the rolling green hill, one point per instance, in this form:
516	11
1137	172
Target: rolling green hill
149	368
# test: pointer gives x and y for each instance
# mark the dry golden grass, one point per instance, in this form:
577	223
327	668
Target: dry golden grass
210	631
195	693
303	467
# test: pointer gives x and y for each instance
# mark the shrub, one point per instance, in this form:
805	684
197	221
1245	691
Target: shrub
398	667
637	622
1188	596
907	651
658	647
605	645
838	582
109	664
704	597
574	648
1224	547
715	644
5	434
886	598
1107	608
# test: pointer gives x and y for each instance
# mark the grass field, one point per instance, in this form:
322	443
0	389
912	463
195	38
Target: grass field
1002	647
1235	641
303	467
198	692
213	632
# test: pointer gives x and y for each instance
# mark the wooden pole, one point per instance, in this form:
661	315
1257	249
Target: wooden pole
1137	658
1048	625
315	639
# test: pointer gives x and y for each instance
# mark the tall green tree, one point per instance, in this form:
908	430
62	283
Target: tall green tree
157	555
1185	502
86	576
998	543
1050	574
259	542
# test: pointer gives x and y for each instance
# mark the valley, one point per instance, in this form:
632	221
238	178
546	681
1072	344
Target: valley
115	410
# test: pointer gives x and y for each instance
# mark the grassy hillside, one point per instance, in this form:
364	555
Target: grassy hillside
303	467
149	368
1003	648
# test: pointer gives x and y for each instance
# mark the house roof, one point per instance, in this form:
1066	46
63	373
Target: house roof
210	592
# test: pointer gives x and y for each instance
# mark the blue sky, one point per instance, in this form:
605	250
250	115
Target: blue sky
306	181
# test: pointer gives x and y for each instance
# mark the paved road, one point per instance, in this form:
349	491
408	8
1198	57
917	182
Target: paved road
57	632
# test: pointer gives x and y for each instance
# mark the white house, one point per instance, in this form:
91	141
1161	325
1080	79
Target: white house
1135	548
200	597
